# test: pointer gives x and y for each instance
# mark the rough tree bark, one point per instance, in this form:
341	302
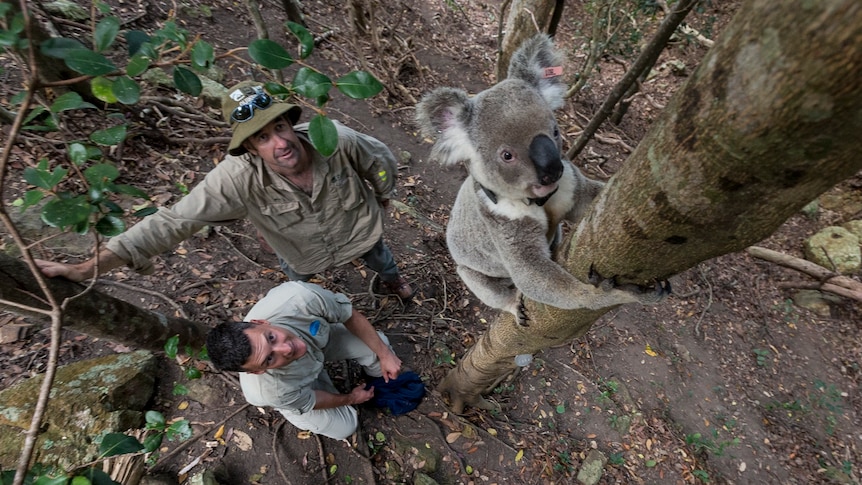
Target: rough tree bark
97	314
526	18
769	120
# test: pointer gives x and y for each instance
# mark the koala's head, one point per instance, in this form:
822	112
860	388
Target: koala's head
507	135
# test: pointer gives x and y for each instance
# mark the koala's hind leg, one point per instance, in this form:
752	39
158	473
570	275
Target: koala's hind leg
499	293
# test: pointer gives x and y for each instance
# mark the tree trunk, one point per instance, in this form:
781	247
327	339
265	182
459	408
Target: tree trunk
769	121
526	18
97	314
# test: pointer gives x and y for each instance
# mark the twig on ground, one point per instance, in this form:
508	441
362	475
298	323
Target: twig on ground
827	280
276	454
164	459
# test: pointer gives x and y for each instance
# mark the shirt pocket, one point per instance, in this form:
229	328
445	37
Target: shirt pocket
349	190
283	214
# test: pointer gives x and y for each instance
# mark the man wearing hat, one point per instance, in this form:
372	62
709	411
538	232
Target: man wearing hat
315	212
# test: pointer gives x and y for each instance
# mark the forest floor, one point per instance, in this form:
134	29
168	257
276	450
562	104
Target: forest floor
728	381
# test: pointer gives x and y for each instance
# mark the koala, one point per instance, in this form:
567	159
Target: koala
506	216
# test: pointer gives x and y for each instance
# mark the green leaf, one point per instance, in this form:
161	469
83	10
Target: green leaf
379	436
98	175
88	62
135	39
109	136
106	33
561	408
42	178
187	81
113	208
118	444
277	89
333	469
146	211
155	420
180	390
96	477
66	212
34	113
193	373
31	198
323	135
306	40
204	354
110	226
311	83
130	190
69	101
59	47
269	54
171	347
77	153
137	65
202	54
180	430
152	442
359	85
126	90
103	89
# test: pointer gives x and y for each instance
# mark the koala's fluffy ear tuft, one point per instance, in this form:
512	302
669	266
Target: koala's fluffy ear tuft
531	62
444	114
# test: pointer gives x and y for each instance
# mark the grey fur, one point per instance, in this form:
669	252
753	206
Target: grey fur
509	140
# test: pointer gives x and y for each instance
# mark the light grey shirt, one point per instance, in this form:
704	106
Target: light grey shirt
295	306
340	221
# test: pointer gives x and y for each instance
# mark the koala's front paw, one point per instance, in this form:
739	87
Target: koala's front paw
646	295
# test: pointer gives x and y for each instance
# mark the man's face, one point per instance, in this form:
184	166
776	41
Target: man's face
279	147
271	347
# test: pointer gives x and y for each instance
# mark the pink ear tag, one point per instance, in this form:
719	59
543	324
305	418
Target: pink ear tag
552	72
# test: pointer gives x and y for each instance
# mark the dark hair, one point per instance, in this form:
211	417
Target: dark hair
228	347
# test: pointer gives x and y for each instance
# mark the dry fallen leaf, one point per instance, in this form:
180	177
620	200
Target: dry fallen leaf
243	440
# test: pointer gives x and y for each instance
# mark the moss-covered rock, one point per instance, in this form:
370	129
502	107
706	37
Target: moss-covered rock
88	400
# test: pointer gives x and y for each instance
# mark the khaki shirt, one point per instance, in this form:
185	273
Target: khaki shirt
296	306
339	222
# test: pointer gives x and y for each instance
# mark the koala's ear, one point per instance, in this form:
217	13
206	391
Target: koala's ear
442	109
532	62
444	114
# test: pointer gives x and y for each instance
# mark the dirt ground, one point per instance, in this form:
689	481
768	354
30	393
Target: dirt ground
728	381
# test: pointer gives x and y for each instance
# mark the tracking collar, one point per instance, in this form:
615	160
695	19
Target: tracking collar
539	201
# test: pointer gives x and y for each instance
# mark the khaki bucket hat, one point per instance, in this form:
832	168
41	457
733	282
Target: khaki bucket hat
248	108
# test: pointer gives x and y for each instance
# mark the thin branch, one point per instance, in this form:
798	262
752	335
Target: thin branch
644	60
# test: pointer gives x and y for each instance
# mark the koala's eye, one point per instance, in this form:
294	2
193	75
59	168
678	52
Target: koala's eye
507	156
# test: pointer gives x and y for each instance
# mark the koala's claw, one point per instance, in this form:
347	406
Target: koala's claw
646	294
521	317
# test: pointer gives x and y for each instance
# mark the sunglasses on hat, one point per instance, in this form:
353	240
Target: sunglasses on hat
245	110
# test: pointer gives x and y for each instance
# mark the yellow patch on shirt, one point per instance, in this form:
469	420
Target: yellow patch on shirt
382	175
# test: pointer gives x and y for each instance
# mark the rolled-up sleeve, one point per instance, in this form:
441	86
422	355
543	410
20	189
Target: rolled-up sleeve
216	200
281	390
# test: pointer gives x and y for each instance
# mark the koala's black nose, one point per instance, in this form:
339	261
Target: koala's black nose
546	158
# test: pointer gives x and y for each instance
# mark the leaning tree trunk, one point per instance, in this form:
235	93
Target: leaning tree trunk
97	314
770	120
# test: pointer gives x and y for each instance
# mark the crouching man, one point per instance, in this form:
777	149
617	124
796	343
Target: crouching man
280	348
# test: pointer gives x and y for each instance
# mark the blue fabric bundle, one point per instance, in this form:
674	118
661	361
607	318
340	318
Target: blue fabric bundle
400	395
